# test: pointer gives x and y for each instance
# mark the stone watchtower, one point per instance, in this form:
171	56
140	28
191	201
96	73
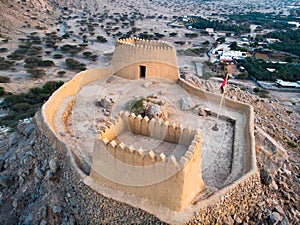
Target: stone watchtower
136	58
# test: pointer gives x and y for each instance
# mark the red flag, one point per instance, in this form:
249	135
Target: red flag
223	84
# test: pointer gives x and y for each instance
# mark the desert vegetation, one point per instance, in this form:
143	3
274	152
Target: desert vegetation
25	105
258	69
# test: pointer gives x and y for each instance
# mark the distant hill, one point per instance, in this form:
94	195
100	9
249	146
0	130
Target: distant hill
15	14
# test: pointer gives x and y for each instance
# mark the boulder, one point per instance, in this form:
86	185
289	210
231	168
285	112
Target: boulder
275	218
53	164
156	111
5	181
265	177
56	209
187	103
29	129
38	173
12	139
200	111
105	102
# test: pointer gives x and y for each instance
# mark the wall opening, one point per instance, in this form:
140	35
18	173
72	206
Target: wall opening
142	71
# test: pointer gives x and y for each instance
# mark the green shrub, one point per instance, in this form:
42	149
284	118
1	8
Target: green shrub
51	86
66	36
93	57
3	49
72	49
172	34
61	73
67	48
136	106
31	62
242	76
87	54
46	63
256	89
191	35
21	107
292	144
1	91
4	79
16	56
36	73
58	56
101	39
5	64
25	105
75	64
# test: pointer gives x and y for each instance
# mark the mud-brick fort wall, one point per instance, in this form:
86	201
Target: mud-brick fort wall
157	59
170	181
243	167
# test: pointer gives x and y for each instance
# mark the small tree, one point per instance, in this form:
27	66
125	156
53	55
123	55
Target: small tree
87	54
101	39
3	49
4	79
75	64
31	62
221	40
58	56
5	64
233	46
61	73
93	57
1	91
36	73
46	63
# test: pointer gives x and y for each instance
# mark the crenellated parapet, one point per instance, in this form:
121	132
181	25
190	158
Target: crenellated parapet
154	128
142	43
168	179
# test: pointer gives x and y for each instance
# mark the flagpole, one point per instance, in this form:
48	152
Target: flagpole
215	128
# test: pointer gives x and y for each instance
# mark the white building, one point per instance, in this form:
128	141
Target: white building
287	84
229	56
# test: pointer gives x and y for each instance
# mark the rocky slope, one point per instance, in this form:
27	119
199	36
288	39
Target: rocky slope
19	14
16	14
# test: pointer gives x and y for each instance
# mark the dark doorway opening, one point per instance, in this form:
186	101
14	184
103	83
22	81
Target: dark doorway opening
142	71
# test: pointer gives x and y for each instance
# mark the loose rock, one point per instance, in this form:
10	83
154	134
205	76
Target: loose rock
187	103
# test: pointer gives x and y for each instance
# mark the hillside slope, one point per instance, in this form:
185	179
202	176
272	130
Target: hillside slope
15	14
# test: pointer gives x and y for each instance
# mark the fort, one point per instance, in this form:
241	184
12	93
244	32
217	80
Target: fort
171	168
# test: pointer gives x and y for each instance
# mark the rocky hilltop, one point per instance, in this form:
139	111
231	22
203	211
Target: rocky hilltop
39	186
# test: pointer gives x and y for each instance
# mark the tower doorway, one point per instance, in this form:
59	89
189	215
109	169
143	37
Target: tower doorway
142	71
